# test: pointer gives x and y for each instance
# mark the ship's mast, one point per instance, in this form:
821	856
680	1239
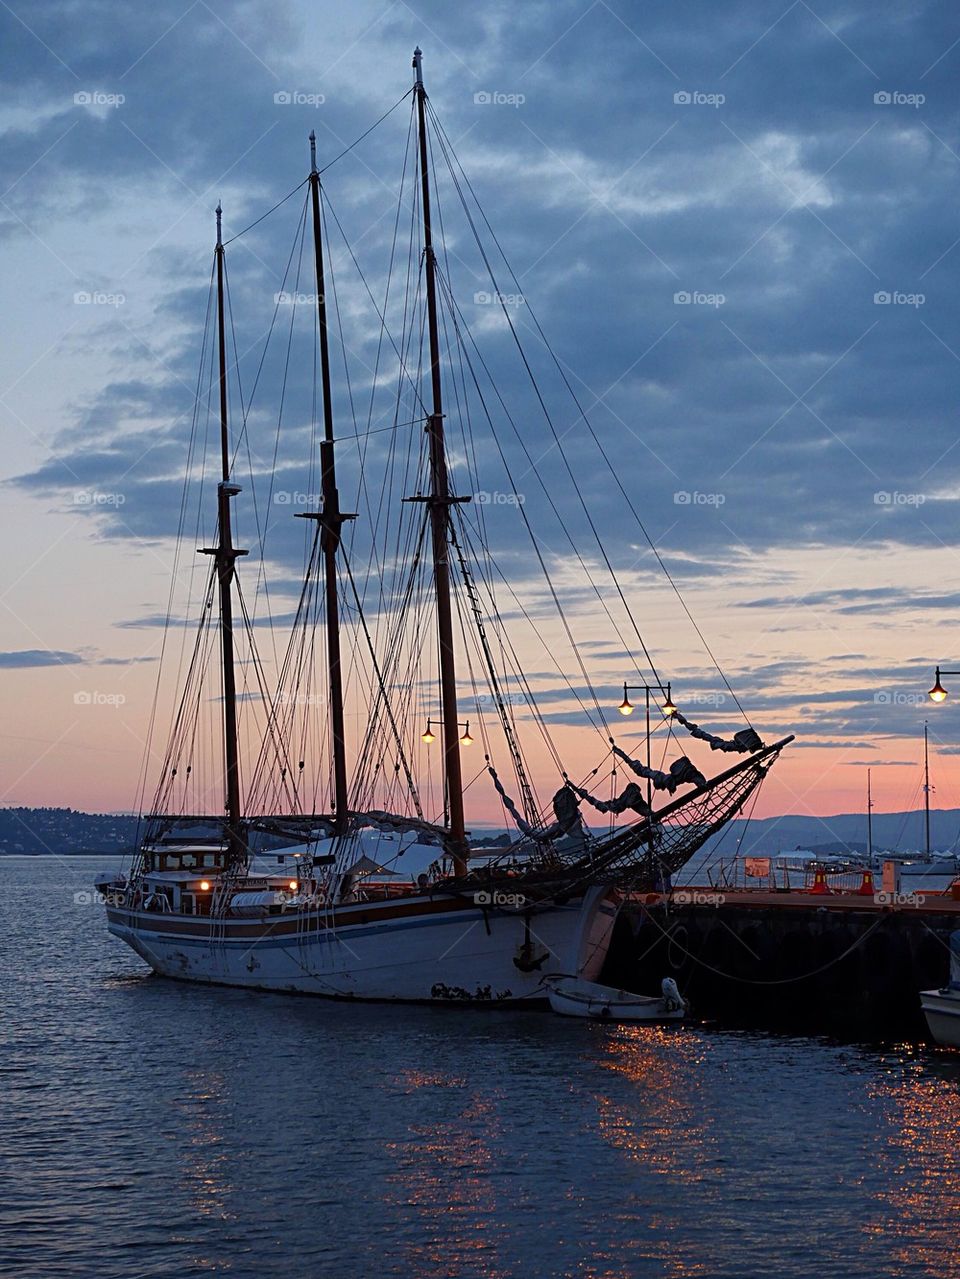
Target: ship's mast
331	522
869	822
926	789
225	556
439	502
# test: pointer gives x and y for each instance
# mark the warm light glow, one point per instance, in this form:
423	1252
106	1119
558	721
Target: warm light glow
938	693
668	707
293	885
428	736
204	885
626	706
466	739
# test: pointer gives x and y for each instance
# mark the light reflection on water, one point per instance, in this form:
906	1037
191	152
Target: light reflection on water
164	1130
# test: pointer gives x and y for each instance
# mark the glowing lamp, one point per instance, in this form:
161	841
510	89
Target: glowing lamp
428	736
466	739
204	885
626	706
938	693
293	885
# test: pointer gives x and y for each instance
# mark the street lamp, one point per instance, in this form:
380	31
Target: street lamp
938	693
429	736
667	709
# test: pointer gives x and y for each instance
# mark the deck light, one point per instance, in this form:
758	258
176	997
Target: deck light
466	739
293	885
428	736
626	706
204	885
668	707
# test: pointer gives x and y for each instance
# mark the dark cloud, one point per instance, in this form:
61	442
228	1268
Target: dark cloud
754	302
29	657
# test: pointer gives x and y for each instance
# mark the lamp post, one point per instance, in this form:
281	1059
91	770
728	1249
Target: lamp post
669	710
429	736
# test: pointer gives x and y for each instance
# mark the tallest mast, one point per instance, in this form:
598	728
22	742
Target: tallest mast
439	503
225	557
331	521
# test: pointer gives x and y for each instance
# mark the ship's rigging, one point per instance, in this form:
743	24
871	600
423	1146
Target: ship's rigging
408	616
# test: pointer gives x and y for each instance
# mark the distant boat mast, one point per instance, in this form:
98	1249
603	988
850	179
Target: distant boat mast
869	822
926	787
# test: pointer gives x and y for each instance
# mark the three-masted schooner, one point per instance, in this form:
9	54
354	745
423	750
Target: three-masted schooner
282	894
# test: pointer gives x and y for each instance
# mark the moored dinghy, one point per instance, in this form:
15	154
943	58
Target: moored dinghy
571	997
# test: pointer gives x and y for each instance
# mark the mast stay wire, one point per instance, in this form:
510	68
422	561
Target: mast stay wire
446	146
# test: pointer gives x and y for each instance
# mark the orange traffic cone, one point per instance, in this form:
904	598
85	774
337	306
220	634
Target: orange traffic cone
866	888
820	885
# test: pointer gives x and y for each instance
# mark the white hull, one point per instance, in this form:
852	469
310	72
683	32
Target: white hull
419	949
942	1011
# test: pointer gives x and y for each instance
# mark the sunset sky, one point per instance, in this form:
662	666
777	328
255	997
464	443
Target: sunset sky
737	225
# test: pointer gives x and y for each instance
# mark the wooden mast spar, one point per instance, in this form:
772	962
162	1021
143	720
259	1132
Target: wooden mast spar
331	520
225	557
439	503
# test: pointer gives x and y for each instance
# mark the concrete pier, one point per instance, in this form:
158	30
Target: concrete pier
843	964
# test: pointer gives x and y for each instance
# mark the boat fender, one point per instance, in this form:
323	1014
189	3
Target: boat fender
673	1001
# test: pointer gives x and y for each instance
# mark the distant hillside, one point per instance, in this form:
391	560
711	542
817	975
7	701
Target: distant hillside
64	831
840	833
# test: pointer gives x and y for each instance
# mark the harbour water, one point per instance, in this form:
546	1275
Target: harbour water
157	1129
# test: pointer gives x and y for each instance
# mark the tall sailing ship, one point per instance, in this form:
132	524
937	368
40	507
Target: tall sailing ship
341	864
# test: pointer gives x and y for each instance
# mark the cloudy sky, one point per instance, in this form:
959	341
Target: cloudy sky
737	224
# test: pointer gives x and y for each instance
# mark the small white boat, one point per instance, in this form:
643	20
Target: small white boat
571	997
942	1007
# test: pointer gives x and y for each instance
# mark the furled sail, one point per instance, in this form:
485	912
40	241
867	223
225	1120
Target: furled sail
745	741
382	821
522	825
565	808
682	771
630	797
